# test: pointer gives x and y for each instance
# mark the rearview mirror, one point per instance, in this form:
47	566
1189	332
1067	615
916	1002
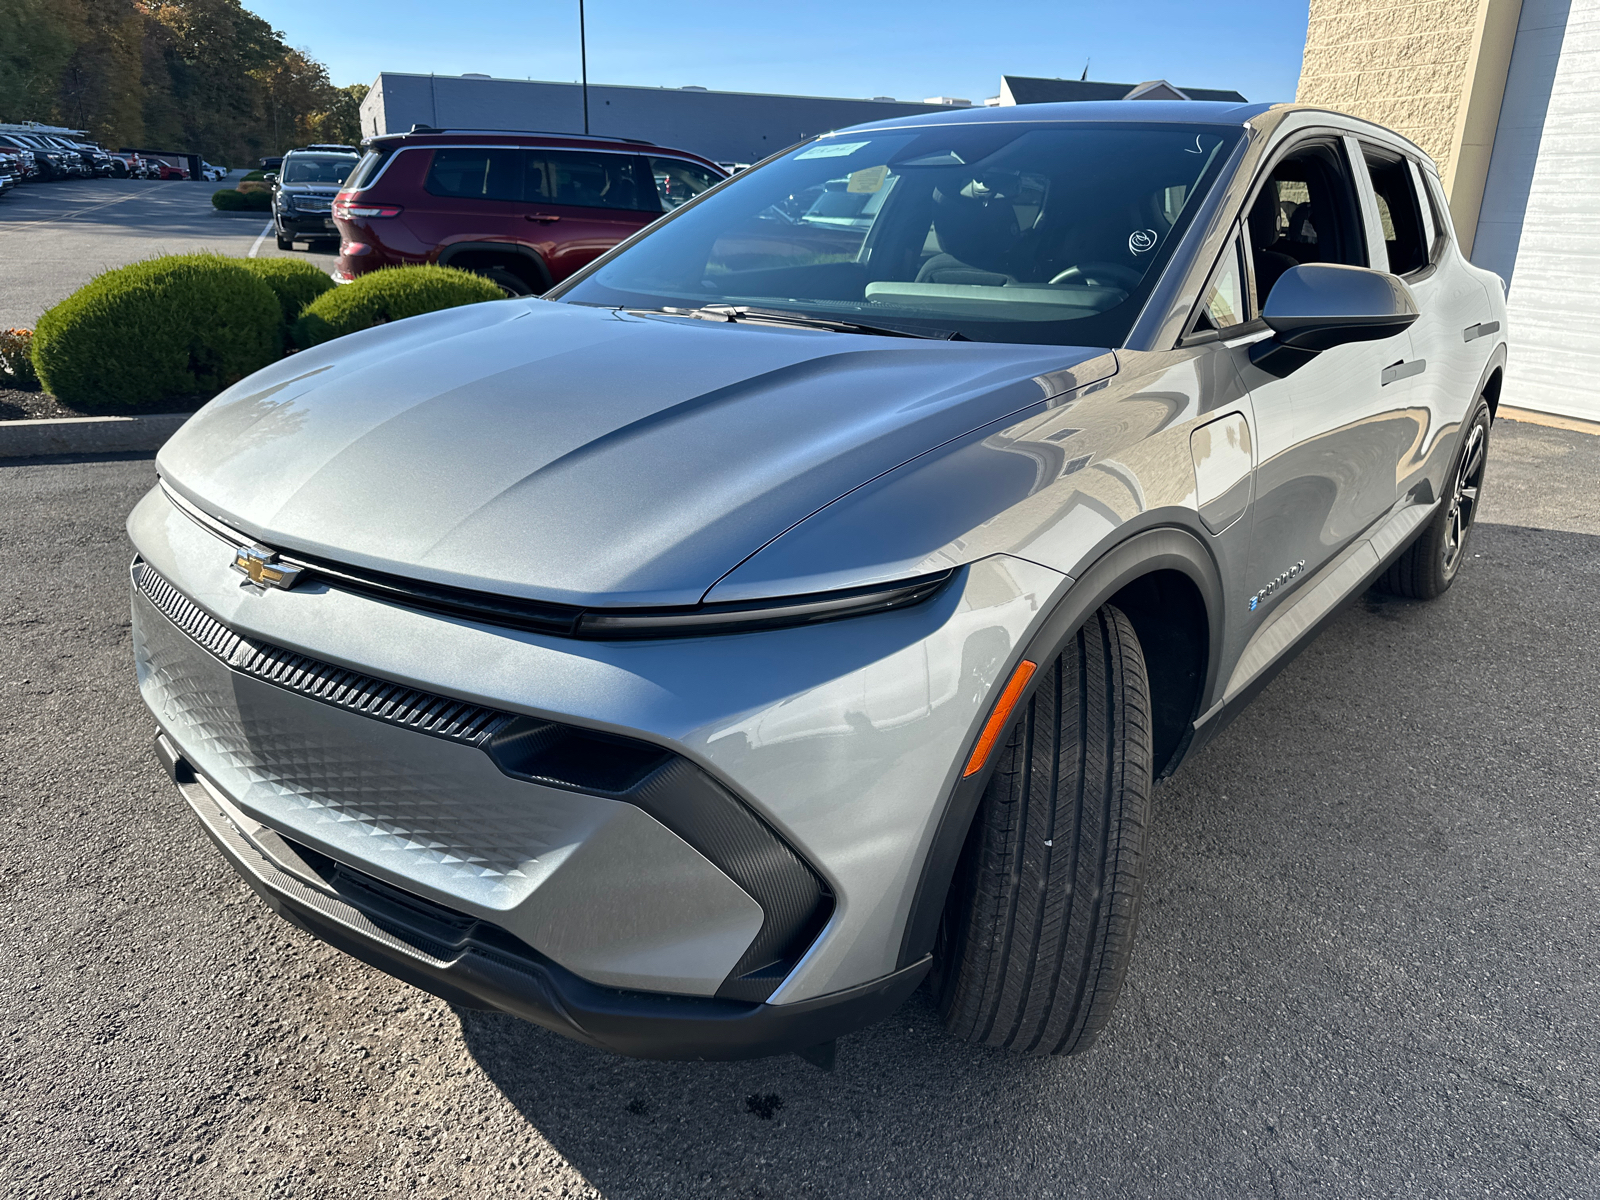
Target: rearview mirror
1317	306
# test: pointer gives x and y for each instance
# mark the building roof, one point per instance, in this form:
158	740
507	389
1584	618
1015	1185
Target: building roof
1024	89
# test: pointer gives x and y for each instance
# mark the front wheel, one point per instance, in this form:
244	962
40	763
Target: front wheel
285	243
1039	926
1431	563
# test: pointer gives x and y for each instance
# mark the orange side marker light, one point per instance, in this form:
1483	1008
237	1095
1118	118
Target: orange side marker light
1002	713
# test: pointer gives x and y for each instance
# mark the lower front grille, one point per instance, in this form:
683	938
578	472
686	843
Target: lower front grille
435	814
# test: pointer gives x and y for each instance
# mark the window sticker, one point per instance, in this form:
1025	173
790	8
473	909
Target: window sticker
1141	241
830	150
868	180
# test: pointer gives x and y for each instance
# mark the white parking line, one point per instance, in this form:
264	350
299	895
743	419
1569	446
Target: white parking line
256	245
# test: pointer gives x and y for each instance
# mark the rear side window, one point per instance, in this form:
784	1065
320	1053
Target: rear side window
367	169
587	180
1398	212
678	182
474	173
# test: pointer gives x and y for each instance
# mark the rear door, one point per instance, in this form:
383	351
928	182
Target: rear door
580	203
1446	363
469	194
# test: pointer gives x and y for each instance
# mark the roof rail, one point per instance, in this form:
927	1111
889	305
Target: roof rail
600	137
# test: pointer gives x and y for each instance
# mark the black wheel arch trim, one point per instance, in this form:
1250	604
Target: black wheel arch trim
1164	548
515	249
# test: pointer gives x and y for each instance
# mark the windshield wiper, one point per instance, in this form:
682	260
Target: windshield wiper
779	316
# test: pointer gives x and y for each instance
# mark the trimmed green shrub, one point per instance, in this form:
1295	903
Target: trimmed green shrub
254	175
179	325
391	294
229	200
294	281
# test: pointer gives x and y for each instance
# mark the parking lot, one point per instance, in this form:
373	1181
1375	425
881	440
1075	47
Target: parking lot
56	237
1366	964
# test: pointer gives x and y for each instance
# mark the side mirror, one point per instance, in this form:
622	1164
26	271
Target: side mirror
1317	306
271	177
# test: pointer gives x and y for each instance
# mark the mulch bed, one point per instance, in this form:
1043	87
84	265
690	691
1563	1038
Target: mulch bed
19	405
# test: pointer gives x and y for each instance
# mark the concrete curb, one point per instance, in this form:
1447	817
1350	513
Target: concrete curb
87	435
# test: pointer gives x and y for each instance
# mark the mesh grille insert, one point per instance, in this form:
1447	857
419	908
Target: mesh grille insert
425	712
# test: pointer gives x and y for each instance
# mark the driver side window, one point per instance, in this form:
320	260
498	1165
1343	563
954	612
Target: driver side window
1305	212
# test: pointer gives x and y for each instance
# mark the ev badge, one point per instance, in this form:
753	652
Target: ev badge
1141	241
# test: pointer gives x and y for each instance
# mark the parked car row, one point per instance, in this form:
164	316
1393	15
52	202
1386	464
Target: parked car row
32	155
523	209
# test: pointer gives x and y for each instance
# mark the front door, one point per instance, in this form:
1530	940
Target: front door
1329	436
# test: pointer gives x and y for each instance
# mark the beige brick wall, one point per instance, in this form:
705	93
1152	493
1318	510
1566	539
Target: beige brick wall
1405	64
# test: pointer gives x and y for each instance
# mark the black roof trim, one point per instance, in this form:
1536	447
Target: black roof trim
582	137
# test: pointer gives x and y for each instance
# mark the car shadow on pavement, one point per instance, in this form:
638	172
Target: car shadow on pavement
1332	989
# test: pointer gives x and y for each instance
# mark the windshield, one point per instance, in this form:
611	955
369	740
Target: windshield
1000	231
317	168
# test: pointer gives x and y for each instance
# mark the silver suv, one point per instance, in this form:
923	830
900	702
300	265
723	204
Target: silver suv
800	602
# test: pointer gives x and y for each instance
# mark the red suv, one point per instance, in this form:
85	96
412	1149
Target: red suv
524	209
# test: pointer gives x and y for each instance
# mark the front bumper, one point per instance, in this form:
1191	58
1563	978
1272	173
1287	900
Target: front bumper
306	226
474	964
845	740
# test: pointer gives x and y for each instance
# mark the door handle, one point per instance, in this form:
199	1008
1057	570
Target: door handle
546	218
1473	332
1402	370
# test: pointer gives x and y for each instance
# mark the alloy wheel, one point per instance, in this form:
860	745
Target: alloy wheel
1464	499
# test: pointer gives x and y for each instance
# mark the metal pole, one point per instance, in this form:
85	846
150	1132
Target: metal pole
583	57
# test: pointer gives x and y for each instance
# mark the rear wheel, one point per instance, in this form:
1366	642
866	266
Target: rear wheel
1040	922
510	283
1431	563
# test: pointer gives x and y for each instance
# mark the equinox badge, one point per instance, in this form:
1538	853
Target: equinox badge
263	569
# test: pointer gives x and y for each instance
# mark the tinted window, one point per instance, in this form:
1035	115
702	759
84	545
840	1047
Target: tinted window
1304	213
1000	231
586	180
316	168
367	169
677	182
476	174
1398	213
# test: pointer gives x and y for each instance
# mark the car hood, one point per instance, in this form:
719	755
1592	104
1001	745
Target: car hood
580	455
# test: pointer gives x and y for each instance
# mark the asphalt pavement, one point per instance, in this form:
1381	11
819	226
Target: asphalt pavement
55	237
1366	965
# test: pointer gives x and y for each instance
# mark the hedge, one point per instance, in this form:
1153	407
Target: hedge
390	294
294	281
171	326
229	200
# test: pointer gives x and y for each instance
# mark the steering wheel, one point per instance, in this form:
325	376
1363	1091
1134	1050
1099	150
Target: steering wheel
1100	274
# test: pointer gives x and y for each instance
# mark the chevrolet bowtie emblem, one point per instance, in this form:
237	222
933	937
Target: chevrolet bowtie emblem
263	569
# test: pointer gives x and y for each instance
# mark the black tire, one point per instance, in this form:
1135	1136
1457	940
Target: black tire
1431	563
512	284
285	243
1040	923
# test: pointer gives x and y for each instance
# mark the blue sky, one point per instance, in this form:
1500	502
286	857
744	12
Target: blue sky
908	49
